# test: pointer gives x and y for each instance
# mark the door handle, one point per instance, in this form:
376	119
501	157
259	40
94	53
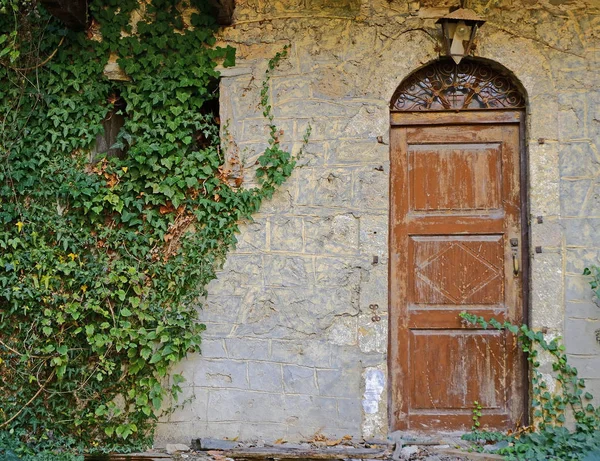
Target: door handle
514	245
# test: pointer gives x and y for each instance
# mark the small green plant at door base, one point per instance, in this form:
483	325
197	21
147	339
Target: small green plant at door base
476	415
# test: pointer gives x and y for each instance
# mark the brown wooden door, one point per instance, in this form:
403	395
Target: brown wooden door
455	246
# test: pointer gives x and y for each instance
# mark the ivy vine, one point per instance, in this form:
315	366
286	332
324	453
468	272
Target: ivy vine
548	438
104	255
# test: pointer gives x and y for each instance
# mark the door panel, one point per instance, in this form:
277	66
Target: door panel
437	169
455	215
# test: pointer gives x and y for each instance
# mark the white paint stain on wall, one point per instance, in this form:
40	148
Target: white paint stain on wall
374	384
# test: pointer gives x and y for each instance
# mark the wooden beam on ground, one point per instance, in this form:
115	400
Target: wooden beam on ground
296	453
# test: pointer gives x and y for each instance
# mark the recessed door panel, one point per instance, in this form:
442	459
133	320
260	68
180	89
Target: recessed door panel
457	177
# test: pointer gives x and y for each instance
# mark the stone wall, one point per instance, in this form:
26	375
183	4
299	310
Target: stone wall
293	346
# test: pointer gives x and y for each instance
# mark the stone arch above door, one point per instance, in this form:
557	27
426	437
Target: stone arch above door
443	85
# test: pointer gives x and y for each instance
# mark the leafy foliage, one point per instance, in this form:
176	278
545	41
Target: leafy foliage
103	257
548	439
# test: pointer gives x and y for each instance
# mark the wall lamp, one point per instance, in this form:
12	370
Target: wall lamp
459	29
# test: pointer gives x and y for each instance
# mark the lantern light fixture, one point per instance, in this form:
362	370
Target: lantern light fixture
459	29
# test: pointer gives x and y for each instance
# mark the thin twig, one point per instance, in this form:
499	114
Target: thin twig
10	348
5	423
41	64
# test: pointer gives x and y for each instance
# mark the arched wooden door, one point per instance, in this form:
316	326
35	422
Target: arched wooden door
457	241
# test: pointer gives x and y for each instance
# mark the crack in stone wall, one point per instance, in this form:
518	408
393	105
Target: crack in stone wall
291	345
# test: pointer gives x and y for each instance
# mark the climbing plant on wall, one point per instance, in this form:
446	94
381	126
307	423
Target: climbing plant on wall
104	255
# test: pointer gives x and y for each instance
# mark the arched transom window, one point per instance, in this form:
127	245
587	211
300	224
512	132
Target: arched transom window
444	85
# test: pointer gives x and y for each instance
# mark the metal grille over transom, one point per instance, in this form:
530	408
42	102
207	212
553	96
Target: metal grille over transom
444	85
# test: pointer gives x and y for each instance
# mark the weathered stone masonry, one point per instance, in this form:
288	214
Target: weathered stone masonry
291	347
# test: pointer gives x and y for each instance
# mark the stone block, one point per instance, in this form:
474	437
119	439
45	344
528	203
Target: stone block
543	116
216	373
213	348
374	235
265	376
248	152
322	128
310	352
288	271
186	368
580	258
255	130
583	310
588	366
349	413
578	160
216	330
299	380
332	187
593	110
370	121
337	271
331	303
294	312
306	108
268	432
348	356
371	188
547	291
177	432
244	95
374	287
313	154
252	237
373	335
582	232
333	83
260	317
341	383
219	429
358	152
306	182
244	406
547	234
239	272
284	198
544	179
221	307
343	330
581	337
287	233
580	198
303	410
577	288
248	348
336	234
191	405
571	116
289	88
